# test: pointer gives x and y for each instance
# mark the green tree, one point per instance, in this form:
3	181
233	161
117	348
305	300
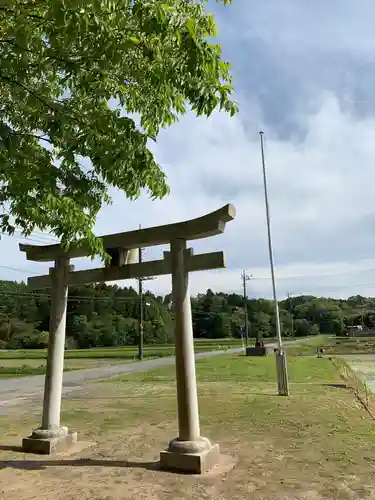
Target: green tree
286	322
211	316
261	324
77	328
238	322
104	315
39	340
21	334
73	74
303	328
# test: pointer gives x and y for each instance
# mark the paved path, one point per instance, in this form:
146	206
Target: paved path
18	388
15	390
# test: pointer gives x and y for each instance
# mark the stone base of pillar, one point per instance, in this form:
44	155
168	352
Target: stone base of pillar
47	442
191	457
258	351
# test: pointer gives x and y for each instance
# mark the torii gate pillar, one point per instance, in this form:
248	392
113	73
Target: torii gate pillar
51	436
189	452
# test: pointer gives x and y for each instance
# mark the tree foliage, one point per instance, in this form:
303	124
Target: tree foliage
75	75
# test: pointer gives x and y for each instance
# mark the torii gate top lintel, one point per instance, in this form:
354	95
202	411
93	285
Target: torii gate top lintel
208	225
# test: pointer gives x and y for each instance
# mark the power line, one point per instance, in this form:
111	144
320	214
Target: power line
28	271
262	278
37	235
29	238
320	276
47	296
34	295
343	287
87	299
19	229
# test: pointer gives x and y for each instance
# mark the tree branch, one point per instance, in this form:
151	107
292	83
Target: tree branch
54	58
11	11
79	60
37	96
22	134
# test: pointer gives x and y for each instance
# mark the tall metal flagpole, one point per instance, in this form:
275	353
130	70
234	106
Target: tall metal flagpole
281	363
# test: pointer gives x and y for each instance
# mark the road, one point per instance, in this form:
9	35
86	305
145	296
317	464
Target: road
19	388
15	390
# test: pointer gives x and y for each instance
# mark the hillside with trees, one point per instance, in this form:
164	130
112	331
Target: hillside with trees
102	316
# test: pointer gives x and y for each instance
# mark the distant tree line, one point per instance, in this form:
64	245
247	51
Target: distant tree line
104	316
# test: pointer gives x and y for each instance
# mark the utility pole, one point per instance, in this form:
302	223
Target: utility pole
291	314
140	293
281	365
141	306
245	278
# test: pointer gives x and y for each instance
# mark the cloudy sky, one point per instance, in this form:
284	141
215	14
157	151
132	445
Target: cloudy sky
304	73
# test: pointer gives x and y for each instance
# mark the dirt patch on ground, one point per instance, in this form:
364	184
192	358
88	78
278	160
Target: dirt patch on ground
319	444
125	467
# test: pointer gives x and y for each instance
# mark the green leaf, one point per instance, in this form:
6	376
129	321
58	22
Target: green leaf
134	40
62	66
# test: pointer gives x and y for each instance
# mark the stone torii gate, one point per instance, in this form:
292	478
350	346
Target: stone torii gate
189	452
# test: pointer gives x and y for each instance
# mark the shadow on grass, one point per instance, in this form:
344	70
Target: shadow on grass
84	462
158	396
40	465
337	386
10	447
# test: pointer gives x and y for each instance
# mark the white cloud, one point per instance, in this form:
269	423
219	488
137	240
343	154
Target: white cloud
320	191
321	182
300	27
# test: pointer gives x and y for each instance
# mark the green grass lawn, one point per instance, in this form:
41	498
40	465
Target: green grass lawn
20	367
319	443
235	369
128	352
23	363
308	347
20	363
20	371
